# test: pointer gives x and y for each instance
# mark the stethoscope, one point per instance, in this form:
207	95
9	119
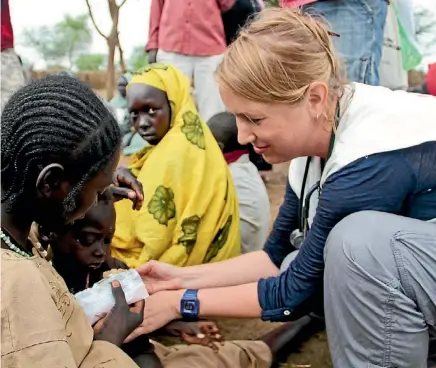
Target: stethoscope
304	202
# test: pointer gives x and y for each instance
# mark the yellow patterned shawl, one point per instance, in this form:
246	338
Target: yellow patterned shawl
190	213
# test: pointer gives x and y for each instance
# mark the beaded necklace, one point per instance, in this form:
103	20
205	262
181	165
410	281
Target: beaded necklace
12	246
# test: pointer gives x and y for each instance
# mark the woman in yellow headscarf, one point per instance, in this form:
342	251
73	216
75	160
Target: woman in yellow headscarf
190	213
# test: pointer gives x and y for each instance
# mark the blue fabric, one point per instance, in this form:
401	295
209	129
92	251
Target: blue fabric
360	25
401	182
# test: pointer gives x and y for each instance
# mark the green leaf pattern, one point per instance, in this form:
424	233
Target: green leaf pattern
219	241
190	229
162	206
193	130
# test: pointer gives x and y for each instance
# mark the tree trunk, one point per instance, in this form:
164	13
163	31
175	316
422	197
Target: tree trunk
110	80
122	62
112	42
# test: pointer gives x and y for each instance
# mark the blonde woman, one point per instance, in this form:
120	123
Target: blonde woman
366	224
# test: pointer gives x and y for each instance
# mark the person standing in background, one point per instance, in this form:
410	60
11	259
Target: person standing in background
236	17
359	27
190	35
12	75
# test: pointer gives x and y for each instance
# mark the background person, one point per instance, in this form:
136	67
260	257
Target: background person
190	36
132	142
357	27
253	201
12	75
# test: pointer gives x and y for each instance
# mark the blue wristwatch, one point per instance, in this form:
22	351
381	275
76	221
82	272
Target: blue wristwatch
190	305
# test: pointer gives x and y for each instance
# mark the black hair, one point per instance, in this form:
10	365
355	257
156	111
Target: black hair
46	236
56	119
224	129
67	73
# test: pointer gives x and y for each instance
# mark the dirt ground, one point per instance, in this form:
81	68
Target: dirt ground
314	353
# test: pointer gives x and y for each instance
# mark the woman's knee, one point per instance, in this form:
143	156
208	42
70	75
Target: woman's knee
352	239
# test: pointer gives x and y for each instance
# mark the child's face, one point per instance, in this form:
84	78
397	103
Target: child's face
88	240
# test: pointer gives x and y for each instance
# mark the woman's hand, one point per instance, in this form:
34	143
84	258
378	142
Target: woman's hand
159	309
204	333
127	186
159	276
121	320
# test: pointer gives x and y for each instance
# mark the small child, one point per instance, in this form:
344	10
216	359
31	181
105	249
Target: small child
254	206
80	254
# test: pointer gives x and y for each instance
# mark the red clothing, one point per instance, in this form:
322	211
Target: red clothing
430	79
7	41
294	3
234	156
188	27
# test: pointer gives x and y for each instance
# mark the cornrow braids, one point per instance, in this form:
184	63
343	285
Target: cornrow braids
56	119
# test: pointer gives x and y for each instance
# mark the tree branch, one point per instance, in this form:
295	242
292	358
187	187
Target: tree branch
122	3
93	20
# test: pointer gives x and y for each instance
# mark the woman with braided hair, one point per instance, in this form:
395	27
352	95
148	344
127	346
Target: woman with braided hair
59	149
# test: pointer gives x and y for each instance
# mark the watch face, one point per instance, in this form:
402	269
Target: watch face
190	307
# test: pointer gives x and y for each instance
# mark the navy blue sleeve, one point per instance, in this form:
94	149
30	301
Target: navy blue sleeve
278	244
380	182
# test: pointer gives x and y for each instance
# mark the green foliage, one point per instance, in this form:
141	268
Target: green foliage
63	41
90	62
138	58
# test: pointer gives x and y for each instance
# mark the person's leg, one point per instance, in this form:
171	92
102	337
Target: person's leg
12	75
184	63
244	354
380	290
359	24
206	88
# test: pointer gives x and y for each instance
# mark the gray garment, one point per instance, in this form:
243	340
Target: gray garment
254	207
380	290
287	261
12	75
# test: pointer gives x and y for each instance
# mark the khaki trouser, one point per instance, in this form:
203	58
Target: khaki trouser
234	354
201	69
12	75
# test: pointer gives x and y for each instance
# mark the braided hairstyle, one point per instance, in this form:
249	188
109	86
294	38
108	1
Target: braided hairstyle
56	119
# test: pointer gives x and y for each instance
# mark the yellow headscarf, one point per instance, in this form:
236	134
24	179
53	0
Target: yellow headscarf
190	214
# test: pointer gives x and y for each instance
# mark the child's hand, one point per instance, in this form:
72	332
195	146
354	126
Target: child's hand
125	185
121	320
204	333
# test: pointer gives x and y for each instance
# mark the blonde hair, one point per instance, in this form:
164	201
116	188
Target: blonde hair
278	55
